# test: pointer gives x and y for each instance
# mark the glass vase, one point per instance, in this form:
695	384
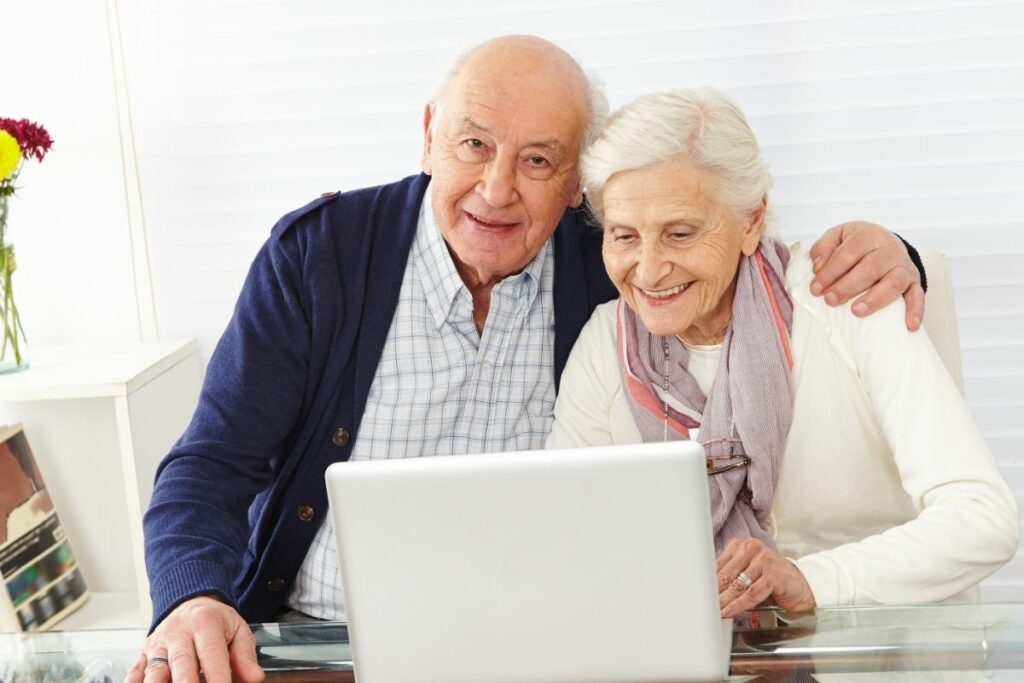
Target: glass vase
13	348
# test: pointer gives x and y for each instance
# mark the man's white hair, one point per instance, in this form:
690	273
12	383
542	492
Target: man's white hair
597	102
700	125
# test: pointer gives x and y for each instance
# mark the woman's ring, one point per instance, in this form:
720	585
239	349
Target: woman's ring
744	580
156	660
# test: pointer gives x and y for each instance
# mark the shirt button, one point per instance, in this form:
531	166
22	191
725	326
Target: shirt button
340	437
275	584
306	513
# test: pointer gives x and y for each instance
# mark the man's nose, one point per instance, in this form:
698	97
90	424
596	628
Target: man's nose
498	184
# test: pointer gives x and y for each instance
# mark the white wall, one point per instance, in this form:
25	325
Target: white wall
68	222
907	112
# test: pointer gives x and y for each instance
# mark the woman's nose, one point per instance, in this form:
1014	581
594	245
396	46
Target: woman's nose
652	266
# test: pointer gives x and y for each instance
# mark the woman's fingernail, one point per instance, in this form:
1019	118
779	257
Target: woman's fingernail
831	298
860	308
816	288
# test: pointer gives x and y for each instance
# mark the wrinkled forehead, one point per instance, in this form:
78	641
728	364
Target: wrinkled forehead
507	111
662	192
525	90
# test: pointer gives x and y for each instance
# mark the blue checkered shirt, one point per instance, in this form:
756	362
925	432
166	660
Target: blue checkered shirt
443	389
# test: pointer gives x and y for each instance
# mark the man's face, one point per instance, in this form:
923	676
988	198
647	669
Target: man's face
502	148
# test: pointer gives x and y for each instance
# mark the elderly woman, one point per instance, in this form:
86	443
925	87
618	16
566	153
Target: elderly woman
844	466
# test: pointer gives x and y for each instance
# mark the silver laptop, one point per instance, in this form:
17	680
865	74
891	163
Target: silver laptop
592	564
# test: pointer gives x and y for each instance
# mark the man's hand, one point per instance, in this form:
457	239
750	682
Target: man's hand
858	256
201	633
750	573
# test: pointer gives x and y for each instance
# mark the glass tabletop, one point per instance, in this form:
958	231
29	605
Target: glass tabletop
947	642
934	638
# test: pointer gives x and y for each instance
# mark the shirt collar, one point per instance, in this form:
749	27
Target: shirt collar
441	281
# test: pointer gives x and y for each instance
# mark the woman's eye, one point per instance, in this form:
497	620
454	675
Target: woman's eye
538	161
474	143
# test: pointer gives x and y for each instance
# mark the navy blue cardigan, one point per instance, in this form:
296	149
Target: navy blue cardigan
241	495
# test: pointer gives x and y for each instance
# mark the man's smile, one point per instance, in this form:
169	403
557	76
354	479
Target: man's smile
489	222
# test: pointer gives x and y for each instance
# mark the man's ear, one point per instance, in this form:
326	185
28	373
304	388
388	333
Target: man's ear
755	228
428	137
577	198
577	194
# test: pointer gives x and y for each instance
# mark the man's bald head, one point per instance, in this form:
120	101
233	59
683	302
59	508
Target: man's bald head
524	58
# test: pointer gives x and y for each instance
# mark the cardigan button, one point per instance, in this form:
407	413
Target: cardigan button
340	438
275	584
307	513
328	195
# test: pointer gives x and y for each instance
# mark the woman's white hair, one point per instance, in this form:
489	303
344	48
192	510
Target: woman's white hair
700	125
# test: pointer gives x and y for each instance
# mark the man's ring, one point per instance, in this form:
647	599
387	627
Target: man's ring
744	580
156	660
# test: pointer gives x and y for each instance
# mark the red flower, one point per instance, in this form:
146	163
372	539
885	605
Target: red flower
32	138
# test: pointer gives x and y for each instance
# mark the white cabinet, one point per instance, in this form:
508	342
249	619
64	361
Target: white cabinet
99	420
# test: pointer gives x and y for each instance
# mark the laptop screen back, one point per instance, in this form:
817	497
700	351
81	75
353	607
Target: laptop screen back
557	566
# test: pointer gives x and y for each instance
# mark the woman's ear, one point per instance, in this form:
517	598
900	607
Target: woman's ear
755	228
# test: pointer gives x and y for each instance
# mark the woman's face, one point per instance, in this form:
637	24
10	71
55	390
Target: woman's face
672	248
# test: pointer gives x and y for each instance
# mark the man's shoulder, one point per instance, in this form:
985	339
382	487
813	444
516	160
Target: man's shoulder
579	227
357	210
578	242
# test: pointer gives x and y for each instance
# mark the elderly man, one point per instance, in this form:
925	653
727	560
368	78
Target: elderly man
430	316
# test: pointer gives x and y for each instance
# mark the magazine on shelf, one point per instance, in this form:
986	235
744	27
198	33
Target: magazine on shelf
40	582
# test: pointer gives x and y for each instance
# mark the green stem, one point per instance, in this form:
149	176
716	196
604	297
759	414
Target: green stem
3	213
12	321
12	310
13	332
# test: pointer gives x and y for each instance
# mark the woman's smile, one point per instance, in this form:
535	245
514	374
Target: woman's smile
661	297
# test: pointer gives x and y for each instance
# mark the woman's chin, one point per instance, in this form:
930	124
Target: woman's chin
663	328
660	320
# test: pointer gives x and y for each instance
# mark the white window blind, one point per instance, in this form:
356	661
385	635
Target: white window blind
908	113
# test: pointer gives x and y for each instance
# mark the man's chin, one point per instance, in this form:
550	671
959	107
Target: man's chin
488	267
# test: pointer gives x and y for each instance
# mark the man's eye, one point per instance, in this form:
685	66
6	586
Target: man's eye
473	151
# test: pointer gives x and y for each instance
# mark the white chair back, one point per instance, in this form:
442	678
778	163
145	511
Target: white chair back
940	314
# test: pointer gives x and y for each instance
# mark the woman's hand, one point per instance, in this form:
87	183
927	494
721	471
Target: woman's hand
749	573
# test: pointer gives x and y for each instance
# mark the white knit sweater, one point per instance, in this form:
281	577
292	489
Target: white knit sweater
888	493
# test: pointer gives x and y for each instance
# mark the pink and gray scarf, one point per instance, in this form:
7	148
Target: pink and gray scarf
751	398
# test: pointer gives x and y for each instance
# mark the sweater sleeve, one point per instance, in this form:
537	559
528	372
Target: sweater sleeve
196	527
967	524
